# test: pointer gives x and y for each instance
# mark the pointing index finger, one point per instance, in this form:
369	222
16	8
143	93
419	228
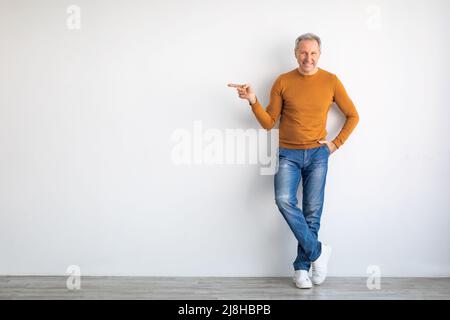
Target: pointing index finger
236	85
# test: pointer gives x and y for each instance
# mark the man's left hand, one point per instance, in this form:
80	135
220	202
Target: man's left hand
331	146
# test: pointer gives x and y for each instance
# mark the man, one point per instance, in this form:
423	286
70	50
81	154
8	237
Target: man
302	97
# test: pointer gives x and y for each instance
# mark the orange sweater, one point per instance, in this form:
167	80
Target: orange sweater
303	102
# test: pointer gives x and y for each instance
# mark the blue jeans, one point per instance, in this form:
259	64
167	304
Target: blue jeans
311	165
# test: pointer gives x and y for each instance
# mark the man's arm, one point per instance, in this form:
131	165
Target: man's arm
346	105
267	118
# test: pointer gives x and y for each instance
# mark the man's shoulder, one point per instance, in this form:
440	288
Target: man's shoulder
327	73
282	79
285	78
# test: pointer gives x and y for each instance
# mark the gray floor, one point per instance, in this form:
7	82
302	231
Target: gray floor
211	288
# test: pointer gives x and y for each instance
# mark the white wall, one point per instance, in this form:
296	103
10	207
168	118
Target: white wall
86	119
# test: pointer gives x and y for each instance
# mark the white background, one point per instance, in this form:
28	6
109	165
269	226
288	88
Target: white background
86	118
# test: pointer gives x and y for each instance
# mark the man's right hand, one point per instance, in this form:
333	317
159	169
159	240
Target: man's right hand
245	91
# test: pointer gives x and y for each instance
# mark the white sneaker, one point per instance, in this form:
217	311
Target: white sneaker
301	279
319	267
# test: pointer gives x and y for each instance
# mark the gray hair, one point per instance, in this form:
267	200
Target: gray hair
308	36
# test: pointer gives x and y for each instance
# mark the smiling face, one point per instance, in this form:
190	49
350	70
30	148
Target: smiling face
307	54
